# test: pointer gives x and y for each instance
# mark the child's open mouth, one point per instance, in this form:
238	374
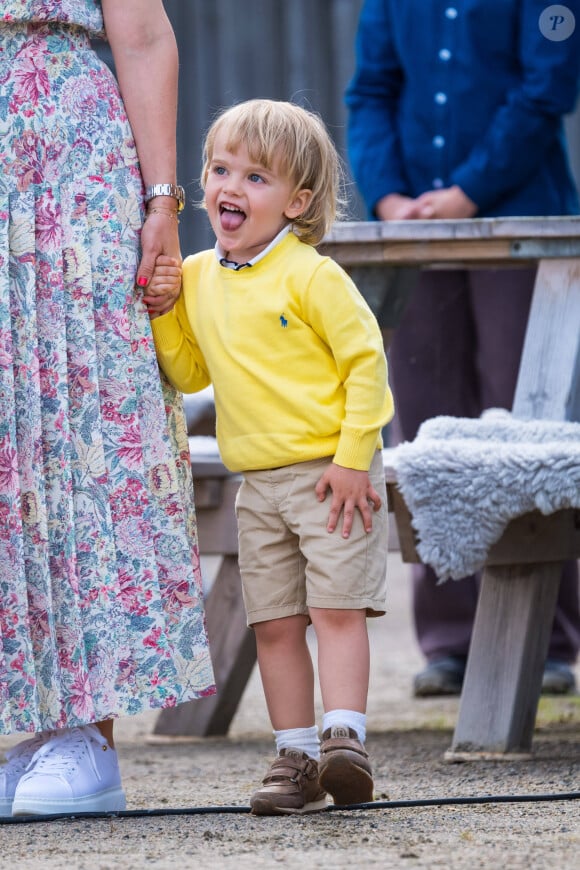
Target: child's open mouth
231	217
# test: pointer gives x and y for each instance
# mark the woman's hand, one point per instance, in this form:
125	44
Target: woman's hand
159	239
145	53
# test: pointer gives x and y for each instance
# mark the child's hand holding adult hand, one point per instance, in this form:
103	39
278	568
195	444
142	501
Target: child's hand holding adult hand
351	491
164	286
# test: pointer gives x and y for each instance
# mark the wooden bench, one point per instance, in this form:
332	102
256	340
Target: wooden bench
519	586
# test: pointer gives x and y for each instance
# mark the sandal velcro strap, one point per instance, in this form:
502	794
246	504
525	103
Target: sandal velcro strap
340	743
343	739
291	767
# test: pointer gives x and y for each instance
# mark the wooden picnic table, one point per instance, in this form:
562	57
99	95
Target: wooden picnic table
519	585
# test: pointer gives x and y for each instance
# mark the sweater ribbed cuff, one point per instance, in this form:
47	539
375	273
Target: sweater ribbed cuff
356	449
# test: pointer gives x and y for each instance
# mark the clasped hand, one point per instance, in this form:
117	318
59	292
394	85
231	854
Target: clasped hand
164	286
157	277
448	202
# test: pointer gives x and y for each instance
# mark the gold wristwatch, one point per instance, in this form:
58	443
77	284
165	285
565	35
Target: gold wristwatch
174	190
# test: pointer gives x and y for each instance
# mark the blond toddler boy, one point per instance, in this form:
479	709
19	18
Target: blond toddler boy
299	374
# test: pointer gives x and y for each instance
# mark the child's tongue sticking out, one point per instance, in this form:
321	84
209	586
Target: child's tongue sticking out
231	220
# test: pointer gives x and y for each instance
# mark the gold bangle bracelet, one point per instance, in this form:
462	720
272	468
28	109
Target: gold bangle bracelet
166	211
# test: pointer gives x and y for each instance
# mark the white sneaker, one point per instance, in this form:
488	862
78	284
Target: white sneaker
75	771
17	760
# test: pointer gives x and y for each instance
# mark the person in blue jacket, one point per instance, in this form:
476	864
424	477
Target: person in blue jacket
455	110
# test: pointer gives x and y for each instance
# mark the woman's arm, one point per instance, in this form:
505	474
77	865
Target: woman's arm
527	125
146	62
372	98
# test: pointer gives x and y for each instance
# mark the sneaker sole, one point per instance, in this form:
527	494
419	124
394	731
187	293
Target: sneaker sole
6	808
557	686
263	807
111	800
345	781
432	691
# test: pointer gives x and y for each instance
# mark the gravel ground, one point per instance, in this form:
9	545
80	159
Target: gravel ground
407	740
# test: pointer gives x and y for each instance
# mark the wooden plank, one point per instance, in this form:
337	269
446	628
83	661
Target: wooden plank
458	253
216	525
533	537
453	243
205	458
406	535
208	492
547	386
540	228
504	669
233	651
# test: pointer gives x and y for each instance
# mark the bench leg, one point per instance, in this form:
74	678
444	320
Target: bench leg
233	651
503	678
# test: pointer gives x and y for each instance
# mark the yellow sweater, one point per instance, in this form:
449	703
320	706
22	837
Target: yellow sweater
294	354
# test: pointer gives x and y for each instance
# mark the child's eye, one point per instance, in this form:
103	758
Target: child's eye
219	170
255	177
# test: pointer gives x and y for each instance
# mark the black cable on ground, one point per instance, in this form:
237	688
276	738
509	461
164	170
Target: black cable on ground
372	805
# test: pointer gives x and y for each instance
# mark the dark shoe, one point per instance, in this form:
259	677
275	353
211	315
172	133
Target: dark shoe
442	677
345	770
558	678
290	786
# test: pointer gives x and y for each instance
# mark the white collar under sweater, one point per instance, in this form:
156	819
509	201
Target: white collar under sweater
229	264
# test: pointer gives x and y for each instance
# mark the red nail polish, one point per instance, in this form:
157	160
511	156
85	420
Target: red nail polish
142	281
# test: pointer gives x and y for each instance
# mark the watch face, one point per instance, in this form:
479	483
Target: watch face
180	196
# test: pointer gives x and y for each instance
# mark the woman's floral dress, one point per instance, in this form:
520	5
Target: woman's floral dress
101	610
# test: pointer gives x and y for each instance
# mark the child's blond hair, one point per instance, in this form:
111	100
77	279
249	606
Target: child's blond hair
276	130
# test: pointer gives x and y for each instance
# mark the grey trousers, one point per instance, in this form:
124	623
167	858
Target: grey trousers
456	351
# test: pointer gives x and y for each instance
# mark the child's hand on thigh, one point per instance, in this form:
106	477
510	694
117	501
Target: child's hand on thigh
164	286
351	490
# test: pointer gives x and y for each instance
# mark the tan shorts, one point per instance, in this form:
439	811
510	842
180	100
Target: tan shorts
289	562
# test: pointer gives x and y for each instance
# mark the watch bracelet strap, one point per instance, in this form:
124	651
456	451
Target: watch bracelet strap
165	189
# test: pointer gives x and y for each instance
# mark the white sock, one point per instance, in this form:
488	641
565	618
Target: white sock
349	718
304	739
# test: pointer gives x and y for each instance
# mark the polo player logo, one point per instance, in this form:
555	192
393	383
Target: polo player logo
283	321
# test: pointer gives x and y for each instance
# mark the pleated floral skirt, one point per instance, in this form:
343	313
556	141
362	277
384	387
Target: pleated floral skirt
101	609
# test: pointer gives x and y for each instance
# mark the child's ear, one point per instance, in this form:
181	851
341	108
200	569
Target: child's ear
298	204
